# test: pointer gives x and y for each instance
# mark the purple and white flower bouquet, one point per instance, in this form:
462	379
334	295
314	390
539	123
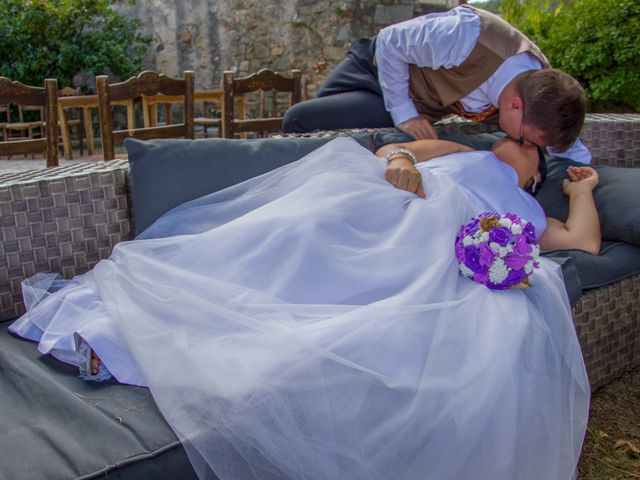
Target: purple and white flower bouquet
498	251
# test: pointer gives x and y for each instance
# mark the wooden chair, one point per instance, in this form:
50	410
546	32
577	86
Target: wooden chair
145	84
71	118
263	81
5	111
211	101
25	130
12	92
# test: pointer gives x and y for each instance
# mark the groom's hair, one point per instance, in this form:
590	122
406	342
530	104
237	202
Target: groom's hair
555	103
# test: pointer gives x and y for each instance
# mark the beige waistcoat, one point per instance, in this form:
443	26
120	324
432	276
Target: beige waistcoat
435	91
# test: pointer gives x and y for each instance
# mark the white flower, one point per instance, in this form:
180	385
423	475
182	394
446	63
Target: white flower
465	271
495	246
498	271
535	252
484	237
467	240
505	222
528	267
503	251
516	229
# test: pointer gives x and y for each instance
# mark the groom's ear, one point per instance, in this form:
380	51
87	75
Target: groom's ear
515	103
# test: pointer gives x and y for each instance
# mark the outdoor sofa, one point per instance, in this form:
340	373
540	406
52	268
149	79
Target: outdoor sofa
66	219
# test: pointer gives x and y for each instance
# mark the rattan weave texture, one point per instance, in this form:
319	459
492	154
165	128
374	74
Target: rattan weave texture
60	220
66	219
607	321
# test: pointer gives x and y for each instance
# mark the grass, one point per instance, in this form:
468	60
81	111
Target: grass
612	445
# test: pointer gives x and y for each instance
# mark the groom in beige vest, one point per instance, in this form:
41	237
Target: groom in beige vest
465	61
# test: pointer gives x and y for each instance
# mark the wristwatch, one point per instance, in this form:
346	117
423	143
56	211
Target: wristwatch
401	150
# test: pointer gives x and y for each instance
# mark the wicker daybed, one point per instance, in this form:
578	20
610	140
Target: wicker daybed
66	219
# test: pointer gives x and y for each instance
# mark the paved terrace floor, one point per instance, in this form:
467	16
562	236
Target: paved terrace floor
21	164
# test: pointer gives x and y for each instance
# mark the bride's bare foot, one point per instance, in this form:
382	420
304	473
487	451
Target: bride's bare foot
89	364
95	363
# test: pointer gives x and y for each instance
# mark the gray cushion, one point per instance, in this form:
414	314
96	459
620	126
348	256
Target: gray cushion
55	425
570	276
616	261
617	197
166	173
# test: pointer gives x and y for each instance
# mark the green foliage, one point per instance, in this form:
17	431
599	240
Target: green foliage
489	5
596	41
59	38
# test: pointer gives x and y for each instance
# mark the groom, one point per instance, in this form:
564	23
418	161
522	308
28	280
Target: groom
465	61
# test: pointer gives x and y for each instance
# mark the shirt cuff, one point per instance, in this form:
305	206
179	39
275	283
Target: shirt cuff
577	152
403	112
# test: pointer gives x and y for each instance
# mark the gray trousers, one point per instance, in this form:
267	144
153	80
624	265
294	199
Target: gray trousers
349	98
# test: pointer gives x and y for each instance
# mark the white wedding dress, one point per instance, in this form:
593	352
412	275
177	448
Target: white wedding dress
311	323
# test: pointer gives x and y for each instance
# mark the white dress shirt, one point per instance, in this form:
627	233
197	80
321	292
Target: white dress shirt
445	40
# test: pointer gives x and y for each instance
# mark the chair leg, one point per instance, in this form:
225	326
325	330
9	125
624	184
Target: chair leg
67	147
88	129
80	136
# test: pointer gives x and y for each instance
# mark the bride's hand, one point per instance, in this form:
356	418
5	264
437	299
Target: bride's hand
403	174
580	179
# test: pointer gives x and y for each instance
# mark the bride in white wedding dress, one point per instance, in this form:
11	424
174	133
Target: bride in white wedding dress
311	323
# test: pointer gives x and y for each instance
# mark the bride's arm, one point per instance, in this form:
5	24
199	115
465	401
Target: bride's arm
402	173
582	228
426	149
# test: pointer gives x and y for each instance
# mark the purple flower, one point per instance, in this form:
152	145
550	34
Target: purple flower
522	246
514	277
482	277
487	256
472	259
497	286
513	217
459	249
500	235
515	261
530	232
472	227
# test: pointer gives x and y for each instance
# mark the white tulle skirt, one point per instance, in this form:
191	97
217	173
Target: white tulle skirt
311	323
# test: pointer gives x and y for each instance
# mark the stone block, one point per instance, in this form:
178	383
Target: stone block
388	14
333	53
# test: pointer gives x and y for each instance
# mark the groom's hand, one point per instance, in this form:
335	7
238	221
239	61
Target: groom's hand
403	174
419	128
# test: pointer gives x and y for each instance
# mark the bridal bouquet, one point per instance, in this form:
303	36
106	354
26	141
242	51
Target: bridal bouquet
499	251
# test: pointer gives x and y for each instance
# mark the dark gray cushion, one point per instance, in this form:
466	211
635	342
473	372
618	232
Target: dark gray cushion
570	275
167	173
617	197
55	425
616	261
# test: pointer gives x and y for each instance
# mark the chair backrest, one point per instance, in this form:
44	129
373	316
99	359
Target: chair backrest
264	80
146	83
16	93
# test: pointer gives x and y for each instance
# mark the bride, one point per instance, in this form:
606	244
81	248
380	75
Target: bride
311	323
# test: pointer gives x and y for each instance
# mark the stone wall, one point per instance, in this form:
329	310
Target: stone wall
210	36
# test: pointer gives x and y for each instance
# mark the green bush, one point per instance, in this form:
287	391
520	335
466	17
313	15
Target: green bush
60	38
596	41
